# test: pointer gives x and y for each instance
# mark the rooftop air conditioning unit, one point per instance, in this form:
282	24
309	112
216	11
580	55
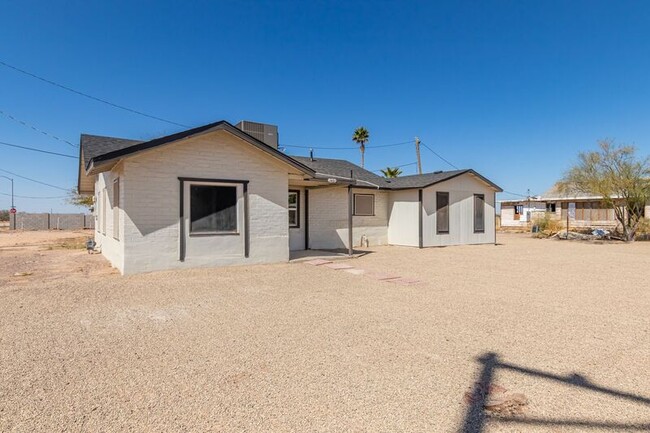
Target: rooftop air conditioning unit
267	134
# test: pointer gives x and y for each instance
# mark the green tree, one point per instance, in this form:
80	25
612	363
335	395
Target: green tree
390	172
361	137
76	199
618	176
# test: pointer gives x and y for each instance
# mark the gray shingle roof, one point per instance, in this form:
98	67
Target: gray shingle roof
96	145
424	180
100	148
341	168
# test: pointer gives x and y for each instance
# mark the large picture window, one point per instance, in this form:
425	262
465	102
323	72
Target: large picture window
479	213
442	213
364	204
213	209
294	209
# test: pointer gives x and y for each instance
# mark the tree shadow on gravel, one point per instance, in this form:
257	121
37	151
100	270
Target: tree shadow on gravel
476	417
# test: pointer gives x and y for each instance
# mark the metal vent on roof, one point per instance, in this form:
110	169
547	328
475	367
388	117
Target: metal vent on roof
267	134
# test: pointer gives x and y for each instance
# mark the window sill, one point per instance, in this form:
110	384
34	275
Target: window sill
198	235
366	215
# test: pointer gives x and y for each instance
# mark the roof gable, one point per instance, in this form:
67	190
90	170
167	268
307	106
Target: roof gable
105	151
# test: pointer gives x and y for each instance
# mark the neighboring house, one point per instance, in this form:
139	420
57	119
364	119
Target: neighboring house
216	195
584	210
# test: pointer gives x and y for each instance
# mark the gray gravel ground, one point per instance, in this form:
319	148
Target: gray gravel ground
297	348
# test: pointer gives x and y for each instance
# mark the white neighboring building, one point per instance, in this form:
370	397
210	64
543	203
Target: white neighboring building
216	195
583	210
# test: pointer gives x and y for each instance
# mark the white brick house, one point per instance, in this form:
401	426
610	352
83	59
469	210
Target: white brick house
216	195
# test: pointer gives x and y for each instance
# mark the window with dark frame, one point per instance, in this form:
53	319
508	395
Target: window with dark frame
550	207
104	205
294	209
116	209
213	209
442	213
364	204
479	213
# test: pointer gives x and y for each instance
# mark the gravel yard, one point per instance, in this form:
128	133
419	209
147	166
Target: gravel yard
301	348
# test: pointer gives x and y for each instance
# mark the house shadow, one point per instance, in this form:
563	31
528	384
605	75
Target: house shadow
476	418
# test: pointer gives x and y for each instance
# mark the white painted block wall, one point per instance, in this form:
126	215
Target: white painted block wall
111	248
152	200
328	219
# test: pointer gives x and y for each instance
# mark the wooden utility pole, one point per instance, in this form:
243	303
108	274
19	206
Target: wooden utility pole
417	153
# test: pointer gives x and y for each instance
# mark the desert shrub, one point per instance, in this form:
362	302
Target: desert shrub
4	215
547	224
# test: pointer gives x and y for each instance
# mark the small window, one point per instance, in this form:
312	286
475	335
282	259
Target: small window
479	213
213	209
364	204
116	208
442	213
104	203
550	207
294	209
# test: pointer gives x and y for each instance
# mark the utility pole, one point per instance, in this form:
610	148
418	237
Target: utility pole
12	191
417	153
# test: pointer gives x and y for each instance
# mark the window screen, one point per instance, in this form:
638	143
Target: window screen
116	208
294	209
442	212
364	204
479	213
213	209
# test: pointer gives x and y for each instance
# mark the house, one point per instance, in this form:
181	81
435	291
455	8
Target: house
222	195
583	210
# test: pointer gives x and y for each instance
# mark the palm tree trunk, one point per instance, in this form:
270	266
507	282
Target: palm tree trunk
363	151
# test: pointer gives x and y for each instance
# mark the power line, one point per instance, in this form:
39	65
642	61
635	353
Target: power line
439	156
348	147
34	180
94	98
9	116
514	193
397	166
37	150
36	198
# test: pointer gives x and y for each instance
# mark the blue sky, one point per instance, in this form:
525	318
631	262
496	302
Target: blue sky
513	89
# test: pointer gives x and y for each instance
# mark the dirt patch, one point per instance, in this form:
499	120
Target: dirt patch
293	347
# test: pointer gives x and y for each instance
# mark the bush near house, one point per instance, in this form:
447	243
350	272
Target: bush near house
548	225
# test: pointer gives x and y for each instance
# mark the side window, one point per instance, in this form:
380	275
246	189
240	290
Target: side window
442	213
294	209
116	208
479	213
364	204
104	203
213	209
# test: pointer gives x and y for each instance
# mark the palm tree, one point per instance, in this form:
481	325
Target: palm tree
361	136
390	172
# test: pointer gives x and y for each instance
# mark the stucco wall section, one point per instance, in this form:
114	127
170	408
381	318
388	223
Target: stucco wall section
328	219
403	221
152	200
461	191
